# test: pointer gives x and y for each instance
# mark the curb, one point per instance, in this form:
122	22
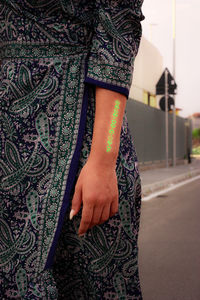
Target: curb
158	186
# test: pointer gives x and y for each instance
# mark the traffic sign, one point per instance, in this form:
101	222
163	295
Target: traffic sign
170	103
160	86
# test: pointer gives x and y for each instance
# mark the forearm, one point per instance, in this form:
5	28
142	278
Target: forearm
109	112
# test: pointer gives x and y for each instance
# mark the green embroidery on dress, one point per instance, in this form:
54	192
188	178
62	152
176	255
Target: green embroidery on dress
110	27
97	265
120	287
19	169
8	125
125	215
10	246
22	103
21	281
128	166
108	252
58	66
36	292
130	267
32	201
15	169
42	127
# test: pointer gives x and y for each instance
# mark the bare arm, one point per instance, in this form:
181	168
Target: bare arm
97	183
110	108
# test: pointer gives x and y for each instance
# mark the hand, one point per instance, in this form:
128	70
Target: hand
97	188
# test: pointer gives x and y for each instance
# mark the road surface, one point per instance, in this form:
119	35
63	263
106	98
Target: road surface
169	245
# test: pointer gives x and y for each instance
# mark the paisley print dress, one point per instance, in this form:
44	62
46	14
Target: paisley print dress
53	54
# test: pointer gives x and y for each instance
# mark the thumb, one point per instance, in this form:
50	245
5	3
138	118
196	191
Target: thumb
76	202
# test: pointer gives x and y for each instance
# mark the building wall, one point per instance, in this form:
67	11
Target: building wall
148	68
195	122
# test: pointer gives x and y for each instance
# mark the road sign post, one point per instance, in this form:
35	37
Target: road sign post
166	120
174	75
166	85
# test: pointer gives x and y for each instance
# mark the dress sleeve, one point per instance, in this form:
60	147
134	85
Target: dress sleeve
115	43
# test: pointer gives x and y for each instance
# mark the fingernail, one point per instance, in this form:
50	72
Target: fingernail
71	213
82	234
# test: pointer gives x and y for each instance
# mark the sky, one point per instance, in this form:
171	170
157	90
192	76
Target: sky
187	66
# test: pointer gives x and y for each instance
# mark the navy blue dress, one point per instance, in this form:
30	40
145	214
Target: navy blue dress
53	54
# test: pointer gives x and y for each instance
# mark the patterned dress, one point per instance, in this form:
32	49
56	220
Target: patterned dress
53	53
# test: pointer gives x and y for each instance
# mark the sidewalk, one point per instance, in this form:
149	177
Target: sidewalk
158	179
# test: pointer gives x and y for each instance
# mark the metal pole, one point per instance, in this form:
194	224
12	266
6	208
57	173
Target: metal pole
166	119
174	75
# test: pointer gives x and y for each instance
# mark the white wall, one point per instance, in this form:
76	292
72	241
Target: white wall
147	70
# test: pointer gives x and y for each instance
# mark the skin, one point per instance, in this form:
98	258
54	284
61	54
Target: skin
96	187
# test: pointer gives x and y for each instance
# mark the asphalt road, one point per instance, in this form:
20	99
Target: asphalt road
169	245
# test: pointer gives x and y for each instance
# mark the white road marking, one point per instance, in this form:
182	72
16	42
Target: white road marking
171	188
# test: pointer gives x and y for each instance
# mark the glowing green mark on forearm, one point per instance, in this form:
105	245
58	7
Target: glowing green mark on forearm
112	125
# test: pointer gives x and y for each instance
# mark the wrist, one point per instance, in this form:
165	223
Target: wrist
107	160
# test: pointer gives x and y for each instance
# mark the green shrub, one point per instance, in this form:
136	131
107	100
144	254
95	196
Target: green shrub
196	150
196	133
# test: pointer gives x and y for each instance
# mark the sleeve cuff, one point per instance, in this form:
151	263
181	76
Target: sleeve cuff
107	76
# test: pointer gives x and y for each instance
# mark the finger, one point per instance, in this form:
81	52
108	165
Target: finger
87	214
76	202
96	216
113	208
105	214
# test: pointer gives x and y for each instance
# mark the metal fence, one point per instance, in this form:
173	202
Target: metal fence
147	126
